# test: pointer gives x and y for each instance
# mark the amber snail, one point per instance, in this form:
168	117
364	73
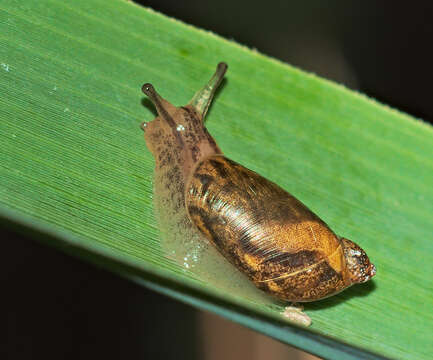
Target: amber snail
269	235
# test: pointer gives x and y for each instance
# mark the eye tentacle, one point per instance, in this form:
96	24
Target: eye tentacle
203	98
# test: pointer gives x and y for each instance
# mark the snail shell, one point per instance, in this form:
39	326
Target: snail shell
269	235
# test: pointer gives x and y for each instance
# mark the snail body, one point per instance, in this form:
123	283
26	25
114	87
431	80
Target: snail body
270	236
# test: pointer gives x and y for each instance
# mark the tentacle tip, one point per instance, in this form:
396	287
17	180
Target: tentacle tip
148	89
222	67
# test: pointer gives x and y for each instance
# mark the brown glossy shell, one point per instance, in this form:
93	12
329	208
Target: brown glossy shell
265	232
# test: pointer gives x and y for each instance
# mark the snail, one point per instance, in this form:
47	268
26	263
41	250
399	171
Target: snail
265	232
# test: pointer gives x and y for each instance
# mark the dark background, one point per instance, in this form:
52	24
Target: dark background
56	306
381	48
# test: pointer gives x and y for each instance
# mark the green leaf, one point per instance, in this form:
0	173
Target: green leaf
75	171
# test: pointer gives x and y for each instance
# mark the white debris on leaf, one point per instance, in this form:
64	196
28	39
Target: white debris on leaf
53	90
296	315
5	66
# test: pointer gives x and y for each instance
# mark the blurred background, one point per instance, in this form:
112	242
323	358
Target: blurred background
383	49
380	48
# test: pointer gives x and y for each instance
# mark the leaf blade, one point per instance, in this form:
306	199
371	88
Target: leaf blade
73	157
